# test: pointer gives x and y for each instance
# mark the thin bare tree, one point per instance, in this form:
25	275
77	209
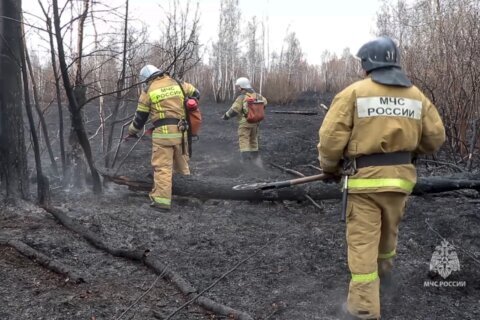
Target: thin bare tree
42	181
75	111
120	88
36	103
53	60
225	52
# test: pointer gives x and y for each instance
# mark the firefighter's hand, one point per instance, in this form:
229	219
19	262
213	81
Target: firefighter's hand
132	131
224	117
332	177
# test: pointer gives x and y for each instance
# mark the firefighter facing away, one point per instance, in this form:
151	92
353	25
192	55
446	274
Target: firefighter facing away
378	125
247	132
162	99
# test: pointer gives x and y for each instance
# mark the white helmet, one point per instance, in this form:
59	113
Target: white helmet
147	72
243	83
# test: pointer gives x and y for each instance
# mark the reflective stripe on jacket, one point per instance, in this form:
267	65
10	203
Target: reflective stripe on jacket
163	99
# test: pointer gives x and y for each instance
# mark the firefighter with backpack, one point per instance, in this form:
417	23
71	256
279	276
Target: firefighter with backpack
249	109
164	99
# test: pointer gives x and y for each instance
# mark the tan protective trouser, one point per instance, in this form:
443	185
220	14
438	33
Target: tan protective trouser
372	230
164	159
248	138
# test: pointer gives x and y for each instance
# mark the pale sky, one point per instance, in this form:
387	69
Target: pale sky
319	24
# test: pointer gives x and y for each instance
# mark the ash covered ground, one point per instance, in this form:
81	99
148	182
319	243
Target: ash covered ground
301	273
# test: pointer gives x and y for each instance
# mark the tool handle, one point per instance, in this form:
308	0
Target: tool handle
344	199
289	183
308	179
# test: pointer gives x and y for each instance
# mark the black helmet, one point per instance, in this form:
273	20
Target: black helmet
379	53
380	58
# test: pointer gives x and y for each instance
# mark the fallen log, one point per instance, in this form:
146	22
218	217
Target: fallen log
211	188
221	188
305	113
145	256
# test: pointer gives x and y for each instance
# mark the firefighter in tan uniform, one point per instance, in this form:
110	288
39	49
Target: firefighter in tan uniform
247	132
162	100
377	124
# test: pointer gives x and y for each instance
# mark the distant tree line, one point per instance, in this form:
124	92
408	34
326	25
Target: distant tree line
91	51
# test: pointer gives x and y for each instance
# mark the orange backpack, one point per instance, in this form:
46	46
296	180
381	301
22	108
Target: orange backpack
194	115
255	109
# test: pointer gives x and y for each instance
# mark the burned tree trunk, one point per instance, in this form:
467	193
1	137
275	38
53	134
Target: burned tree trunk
13	159
120	88
75	111
42	181
305	113
36	103
53	59
220	188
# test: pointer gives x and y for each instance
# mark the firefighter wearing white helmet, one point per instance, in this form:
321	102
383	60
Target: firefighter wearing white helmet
243	83
376	126
162	100
248	133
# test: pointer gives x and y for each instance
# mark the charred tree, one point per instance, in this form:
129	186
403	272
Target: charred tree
211	188
120	87
13	159
77	165
305	113
36	102
42	181
75	111
58	93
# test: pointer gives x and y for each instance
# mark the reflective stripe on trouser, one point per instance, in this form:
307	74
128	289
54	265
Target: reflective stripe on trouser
166	159
248	138
365	183
372	229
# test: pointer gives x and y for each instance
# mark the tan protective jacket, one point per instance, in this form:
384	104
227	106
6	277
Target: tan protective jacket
367	118
239	107
163	99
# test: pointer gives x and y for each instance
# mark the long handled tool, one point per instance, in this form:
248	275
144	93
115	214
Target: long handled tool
344	198
289	183
281	184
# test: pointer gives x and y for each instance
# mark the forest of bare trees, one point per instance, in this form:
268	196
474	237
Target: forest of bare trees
440	47
78	239
87	54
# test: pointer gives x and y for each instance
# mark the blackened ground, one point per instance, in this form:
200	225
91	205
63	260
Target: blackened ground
300	274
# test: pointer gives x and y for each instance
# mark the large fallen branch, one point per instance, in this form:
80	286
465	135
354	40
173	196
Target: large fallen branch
305	113
159	268
44	260
221	188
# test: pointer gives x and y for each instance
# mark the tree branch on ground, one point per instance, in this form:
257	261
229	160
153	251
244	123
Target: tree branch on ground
145	257
44	260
